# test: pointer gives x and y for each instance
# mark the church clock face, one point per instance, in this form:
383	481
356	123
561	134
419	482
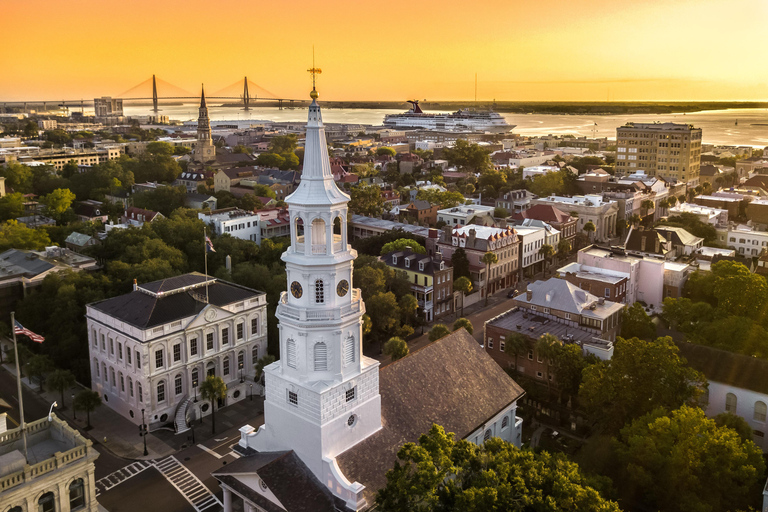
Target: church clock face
342	288
296	290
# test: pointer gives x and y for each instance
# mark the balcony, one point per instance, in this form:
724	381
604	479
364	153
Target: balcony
319	315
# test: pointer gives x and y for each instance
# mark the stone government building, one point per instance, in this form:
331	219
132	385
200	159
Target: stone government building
152	348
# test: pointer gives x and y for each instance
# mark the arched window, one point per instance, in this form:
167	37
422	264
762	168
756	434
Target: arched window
161	391
177	385
195	376
76	494
46	503
290	346
255	353
760	410
104	372
321	357
96	366
349	350
337	226
240	360
130	387
730	403
505	422
318	236
16	509
487	435
319	292
138	392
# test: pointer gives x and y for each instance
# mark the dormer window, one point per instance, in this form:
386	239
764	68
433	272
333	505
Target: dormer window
394	260
421	266
407	263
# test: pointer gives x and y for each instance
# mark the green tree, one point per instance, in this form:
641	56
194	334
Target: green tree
515	345
18	236
160	148
548	347
463	322
738	291
212	389
684	462
264	191
468	156
163	199
38	366
262	363
408	305
438	331
563	248
366	200
440	473
569	363
544	185
396	348
463	285
385	314
489	258
58	202
500	213
641	376
283	144
737	423
401	244
460	264
647	205
11	206
18	177
87	400
634	220
386	151
546	251
589	228
635	323
446	199
60	380
370	280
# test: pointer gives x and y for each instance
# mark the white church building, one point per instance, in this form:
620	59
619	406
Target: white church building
334	419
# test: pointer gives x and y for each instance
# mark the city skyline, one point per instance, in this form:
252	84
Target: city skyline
589	50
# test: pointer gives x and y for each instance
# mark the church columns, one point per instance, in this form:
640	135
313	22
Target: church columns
227	499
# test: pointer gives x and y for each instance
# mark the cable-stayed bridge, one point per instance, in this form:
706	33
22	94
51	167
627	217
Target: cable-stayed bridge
240	94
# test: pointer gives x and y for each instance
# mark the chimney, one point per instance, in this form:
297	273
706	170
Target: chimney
432	233
528	295
135	286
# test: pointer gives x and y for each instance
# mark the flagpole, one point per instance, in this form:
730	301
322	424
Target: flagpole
205	248
18	383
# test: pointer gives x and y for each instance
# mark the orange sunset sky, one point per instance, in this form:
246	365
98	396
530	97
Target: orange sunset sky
581	50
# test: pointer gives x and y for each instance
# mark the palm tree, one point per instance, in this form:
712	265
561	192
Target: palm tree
671	201
589	228
548	346
463	285
547	251
489	258
646	205
87	400
634	219
61	380
514	345
212	389
563	248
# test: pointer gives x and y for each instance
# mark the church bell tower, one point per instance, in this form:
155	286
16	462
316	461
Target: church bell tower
322	395
205	151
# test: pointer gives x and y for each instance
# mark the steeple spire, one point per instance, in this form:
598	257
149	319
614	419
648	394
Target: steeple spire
202	97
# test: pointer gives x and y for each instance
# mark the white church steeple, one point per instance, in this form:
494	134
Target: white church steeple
322	395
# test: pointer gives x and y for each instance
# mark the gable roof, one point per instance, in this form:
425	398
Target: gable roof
727	367
678	236
420	204
78	239
452	382
561	295
545	212
285	475
759	180
655	243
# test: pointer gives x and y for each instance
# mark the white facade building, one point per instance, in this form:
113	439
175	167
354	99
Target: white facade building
238	223
531	241
591	207
464	214
714	216
152	348
745	240
539	170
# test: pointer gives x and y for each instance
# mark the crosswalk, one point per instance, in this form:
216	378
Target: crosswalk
193	490
121	475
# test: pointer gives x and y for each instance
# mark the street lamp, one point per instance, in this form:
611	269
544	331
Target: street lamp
143	434
251	392
50	411
74	409
194	386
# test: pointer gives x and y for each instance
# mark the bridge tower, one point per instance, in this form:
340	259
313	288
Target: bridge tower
246	96
154	95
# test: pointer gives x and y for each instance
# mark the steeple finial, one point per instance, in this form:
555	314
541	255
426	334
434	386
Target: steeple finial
314	71
202	97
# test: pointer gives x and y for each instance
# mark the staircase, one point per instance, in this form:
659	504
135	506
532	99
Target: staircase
180	420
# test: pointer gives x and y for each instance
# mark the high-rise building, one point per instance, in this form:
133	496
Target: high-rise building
108	106
662	150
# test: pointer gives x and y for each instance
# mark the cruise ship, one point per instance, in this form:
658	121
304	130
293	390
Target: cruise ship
463	120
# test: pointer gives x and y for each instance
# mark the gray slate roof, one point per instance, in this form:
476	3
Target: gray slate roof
146	310
78	239
727	367
16	262
452	382
289	479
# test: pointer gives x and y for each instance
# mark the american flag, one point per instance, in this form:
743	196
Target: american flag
20	329
209	245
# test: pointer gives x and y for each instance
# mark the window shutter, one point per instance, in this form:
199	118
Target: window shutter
291	348
321	357
349	350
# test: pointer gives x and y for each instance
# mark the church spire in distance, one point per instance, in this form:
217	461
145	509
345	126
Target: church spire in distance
202	97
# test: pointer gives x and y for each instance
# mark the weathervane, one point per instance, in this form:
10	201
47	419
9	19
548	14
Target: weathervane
315	71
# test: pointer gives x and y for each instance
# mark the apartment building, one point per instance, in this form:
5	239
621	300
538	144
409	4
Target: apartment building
552	216
515	201
465	214
238	223
592	207
745	240
431	281
153	347
666	150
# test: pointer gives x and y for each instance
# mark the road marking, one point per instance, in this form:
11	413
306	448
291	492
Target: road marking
208	450
121	475
188	485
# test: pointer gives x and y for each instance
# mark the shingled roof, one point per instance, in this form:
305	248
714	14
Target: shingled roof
452	382
727	367
545	212
285	475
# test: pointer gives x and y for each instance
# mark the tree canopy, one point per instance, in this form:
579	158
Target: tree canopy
402	244
366	200
442	474
635	323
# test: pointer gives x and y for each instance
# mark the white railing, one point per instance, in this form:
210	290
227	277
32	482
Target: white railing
319	249
319	315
